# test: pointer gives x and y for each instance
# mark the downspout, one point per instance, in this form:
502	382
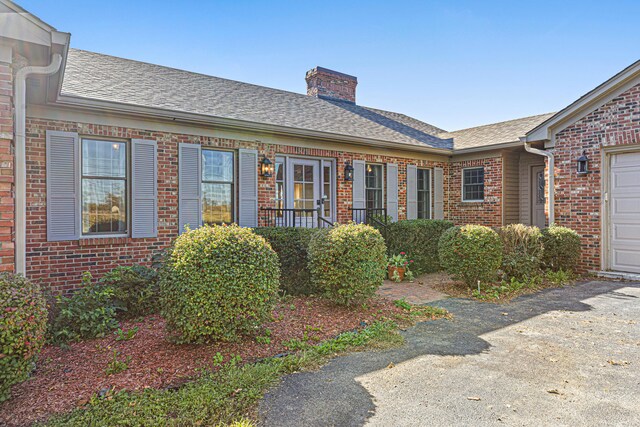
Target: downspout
20	87
550	175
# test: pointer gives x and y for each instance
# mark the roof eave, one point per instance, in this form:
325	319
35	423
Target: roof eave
487	147
227	123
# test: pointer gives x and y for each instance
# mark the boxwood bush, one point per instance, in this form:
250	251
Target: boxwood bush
561	248
347	262
522	256
291	244
23	324
471	253
135	289
217	283
419	239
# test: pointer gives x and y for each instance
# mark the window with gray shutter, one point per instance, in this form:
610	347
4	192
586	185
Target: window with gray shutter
392	191
189	209
438	193
247	188
412	192
358	187
63	186
144	189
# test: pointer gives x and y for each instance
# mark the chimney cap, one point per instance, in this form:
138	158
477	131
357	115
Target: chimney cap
316	70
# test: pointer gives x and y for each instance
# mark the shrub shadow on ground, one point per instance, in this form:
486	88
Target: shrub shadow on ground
332	396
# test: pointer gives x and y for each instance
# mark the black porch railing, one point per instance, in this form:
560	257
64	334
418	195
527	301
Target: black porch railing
281	217
375	217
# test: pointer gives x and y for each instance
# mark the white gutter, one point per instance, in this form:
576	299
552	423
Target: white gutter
20	87
550	175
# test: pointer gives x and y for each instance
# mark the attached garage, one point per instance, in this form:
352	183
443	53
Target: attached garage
624	212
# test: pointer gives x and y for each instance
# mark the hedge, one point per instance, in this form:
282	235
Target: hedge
523	250
348	262
23	324
419	239
561	248
291	244
471	253
217	283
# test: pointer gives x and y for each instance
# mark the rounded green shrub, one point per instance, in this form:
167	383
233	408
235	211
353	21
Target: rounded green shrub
561	248
291	244
419	239
347	262
218	282
471	253
523	250
23	325
135	289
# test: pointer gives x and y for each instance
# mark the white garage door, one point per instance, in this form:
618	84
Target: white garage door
625	212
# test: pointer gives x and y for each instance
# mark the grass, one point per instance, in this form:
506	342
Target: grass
228	396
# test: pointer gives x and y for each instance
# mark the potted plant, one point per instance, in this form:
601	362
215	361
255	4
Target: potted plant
398	266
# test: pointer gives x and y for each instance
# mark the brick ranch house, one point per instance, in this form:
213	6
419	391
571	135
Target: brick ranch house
105	160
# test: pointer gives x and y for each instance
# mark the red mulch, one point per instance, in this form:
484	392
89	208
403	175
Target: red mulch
67	378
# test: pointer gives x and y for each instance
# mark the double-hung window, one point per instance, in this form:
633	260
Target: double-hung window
473	184
217	186
104	187
424	193
374	186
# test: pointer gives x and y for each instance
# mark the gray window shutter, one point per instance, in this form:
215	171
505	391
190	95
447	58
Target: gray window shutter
438	193
189	205
63	186
412	192
392	191
144	189
358	191
248	188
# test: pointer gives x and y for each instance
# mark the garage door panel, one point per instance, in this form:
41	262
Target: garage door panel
624	212
626	206
626	160
625	232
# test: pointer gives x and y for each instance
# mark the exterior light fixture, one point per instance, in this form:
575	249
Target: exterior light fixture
348	171
266	167
583	164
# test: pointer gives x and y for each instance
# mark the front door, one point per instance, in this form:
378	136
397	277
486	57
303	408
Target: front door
538	217
305	191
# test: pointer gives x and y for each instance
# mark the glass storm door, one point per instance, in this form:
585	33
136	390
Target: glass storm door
305	191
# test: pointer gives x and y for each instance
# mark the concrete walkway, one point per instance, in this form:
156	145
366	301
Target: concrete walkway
567	356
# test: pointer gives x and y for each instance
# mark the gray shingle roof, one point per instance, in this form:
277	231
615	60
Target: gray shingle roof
108	78
495	133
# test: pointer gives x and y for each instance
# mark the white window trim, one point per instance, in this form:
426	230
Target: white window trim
430	192
79	174
234	195
384	193
462	184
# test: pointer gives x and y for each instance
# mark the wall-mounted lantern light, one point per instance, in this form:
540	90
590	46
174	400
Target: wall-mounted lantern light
266	167
348	171
583	164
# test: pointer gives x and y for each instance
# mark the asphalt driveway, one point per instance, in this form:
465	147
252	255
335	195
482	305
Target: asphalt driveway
567	356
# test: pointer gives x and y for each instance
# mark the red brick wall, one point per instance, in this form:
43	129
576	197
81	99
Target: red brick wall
7	202
578	198
488	212
60	264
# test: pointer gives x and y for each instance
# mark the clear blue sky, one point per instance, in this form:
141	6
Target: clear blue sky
454	64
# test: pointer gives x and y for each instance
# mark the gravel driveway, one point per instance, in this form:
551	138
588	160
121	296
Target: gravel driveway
567	356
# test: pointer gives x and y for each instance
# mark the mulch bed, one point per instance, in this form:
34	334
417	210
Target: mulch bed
67	378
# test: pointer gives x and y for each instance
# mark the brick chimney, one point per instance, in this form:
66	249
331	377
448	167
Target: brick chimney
329	84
